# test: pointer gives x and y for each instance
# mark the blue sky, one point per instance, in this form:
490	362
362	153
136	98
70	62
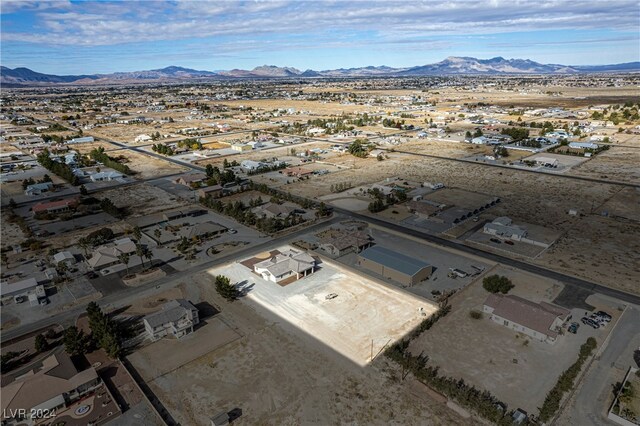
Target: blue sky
81	37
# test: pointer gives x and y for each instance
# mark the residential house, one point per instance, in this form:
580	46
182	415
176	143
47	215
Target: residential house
25	289
213	191
64	256
85	139
273	210
190	179
52	385
143	138
583	145
338	242
177	318
56	207
541	321
181	213
106	176
251	165
503	227
38	188
107	255
546	161
296	172
286	265
202	230
241	147
424	208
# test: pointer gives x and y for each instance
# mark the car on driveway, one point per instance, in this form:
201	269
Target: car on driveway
590	322
573	328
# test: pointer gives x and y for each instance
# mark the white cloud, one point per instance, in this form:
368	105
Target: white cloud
100	23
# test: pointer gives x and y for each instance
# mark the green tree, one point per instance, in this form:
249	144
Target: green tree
124	258
41	343
140	252
225	288
497	284
111	345
137	233
75	342
62	268
158	234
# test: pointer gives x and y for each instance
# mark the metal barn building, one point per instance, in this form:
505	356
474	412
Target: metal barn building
395	266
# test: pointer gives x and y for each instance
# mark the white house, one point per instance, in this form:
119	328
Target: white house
177	318
503	227
285	265
106	176
546	161
252	165
480	140
583	145
64	256
85	139
142	138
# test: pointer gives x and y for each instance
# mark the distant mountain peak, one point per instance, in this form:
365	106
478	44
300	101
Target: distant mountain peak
452	65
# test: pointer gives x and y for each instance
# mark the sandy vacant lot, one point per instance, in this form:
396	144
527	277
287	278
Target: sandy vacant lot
363	312
279	377
599	249
143	199
618	163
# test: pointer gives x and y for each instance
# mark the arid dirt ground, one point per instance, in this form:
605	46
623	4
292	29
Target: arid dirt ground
143	199
618	163
278	377
538	199
518	370
144	165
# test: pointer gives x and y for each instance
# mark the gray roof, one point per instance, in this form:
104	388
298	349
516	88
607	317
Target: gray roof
394	260
9	289
171	312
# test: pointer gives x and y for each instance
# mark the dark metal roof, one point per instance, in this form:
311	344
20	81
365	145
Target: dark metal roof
394	260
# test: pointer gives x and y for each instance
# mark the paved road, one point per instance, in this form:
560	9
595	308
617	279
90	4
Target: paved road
592	399
130	294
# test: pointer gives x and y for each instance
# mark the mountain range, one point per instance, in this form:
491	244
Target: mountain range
450	66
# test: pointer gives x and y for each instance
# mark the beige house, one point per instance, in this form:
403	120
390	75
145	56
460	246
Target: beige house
52	385
107	255
541	321
338	242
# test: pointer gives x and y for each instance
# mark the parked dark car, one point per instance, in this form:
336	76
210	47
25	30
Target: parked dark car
605	316
573	328
495	240
508	242
590	322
